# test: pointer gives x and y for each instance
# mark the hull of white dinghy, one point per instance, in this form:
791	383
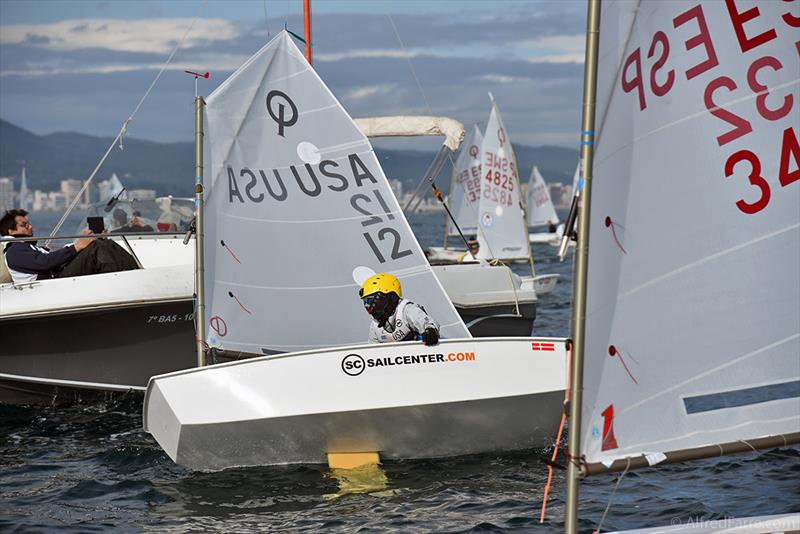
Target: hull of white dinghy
448	256
542	284
549	238
490	299
402	400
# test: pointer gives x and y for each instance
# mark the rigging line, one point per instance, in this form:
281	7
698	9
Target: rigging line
430	111
416	80
266	19
123	130
608	506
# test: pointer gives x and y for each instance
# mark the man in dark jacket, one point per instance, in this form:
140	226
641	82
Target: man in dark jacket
28	262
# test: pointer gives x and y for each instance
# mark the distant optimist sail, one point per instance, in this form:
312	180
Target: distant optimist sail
540	207
23	191
465	191
693	292
502	233
299	213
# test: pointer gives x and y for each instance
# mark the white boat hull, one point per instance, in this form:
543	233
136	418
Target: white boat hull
448	256
550	238
542	284
65	338
422	402
490	299
441	255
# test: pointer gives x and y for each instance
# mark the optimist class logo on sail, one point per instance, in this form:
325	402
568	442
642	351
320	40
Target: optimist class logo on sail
312	182
355	364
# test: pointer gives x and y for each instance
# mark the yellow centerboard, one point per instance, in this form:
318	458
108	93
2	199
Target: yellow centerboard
351	460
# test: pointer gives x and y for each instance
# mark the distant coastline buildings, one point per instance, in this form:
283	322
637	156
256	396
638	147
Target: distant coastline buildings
12	190
15	196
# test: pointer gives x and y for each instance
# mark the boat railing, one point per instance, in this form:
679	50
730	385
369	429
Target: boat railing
134	235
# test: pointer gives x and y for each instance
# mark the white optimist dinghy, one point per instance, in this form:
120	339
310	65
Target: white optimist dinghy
485	201
403	400
541	211
287	167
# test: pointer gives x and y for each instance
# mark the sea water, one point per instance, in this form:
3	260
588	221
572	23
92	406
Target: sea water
90	468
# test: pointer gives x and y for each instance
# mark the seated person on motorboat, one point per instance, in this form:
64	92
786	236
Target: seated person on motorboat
28	262
394	318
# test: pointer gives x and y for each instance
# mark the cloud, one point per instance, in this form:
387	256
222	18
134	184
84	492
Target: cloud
498	78
100	68
150	35
553	48
354	54
209	62
369	91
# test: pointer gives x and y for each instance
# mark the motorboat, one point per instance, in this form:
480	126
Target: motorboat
70	337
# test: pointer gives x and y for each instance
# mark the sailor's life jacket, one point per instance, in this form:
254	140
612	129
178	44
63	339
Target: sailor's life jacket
407	322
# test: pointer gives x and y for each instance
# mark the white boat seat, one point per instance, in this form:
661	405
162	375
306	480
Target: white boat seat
5	275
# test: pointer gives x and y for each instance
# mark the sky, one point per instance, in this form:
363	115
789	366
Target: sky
84	65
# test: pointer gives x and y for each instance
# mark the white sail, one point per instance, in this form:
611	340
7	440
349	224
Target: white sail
577	183
23	191
502	232
465	191
299	213
108	189
540	207
693	300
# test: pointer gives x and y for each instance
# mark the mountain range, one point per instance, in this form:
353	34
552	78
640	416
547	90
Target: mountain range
169	167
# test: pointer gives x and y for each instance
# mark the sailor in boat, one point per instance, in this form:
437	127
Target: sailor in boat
28	262
134	226
474	247
394	318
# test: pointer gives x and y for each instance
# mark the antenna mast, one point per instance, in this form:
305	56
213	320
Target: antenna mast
307	27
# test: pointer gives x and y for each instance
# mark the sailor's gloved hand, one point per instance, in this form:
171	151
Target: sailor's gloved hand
430	336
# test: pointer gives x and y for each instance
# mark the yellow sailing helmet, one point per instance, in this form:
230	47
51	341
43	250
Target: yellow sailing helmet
381	283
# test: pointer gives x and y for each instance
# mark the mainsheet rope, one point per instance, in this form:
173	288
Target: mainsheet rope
124	129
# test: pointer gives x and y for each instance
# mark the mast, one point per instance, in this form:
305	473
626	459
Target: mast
581	265
450	202
524	208
307	28
199	266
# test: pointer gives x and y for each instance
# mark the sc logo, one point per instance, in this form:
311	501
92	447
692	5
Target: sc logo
353	365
